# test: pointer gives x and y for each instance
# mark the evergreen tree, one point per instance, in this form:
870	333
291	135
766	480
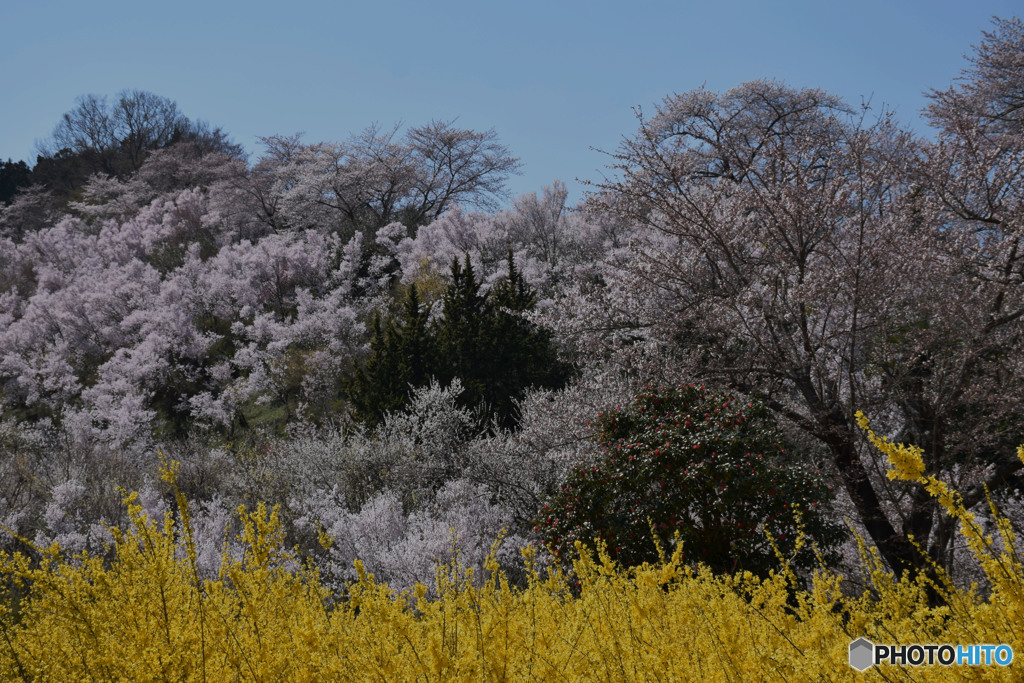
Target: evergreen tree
520	354
13	175
400	358
462	335
482	339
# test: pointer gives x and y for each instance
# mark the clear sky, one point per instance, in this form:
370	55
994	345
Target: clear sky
554	79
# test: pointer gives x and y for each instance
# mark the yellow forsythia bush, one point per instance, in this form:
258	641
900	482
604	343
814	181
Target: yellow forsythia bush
146	615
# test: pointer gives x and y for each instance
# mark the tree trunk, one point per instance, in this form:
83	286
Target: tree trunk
894	547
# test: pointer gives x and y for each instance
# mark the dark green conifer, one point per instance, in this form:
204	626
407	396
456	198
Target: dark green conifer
482	339
400	359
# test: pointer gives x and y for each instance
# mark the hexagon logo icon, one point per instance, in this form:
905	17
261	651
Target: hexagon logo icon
862	654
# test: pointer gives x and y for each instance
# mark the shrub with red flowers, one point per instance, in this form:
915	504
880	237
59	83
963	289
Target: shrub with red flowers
706	468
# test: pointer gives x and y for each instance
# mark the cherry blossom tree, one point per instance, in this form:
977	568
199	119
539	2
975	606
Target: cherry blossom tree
803	262
966	382
125	319
376	177
991	89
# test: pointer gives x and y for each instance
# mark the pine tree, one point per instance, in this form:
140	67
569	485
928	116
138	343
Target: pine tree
401	356
462	334
482	339
520	353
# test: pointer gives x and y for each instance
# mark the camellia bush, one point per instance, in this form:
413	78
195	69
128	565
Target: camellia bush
704	469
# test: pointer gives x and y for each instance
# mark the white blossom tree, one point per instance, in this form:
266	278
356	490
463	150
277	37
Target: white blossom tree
803	260
377	177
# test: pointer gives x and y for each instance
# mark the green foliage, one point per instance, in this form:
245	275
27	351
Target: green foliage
464	336
482	339
13	175
401	353
704	466
516	353
63	173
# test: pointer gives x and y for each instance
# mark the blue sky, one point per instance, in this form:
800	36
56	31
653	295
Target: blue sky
554	79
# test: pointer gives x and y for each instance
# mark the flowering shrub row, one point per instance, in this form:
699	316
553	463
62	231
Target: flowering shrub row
146	614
